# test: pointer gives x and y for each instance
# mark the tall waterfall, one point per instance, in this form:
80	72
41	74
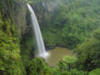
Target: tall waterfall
35	25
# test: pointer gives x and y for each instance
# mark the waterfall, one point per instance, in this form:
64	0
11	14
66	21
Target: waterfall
35	26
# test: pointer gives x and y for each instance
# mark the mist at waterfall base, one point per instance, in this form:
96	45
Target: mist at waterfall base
39	40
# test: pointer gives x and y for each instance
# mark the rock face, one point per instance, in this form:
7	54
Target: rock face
16	9
20	17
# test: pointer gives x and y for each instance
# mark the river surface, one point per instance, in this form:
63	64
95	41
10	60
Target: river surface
57	54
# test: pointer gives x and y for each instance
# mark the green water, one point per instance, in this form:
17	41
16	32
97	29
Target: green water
57	54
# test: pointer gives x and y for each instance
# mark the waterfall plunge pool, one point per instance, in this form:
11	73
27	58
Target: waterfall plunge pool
57	54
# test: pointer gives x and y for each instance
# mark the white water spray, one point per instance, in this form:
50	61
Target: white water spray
35	25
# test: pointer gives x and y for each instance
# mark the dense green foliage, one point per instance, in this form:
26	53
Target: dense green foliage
39	67
95	72
10	59
89	53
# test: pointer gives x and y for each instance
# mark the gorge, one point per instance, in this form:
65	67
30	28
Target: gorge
50	37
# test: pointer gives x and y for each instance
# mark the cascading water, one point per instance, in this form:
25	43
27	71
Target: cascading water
35	25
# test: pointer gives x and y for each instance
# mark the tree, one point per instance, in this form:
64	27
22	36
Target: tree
89	53
67	63
95	72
